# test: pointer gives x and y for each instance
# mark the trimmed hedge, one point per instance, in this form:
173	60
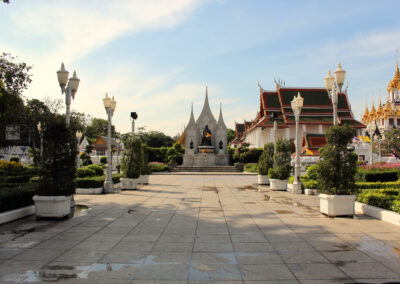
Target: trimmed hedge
16	196
388	199
378	185
95	182
16	179
381	176
159	167
251	168
85	172
99	171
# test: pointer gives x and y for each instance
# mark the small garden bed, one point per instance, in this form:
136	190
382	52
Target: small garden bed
158	167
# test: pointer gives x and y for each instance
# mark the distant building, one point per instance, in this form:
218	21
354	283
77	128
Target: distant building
100	146
315	118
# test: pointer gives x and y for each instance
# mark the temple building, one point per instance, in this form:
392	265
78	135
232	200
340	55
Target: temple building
205	139
315	118
387	116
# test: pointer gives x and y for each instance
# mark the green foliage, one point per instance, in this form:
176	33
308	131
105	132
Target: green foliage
154	138
59	152
86	160
175	154
230	135
250	168
16	196
90	182
250	156
14	159
15	75
282	159
145	170
312	172
266	160
392	140
311	184
85	172
99	171
338	164
396	206
159	167
99	127
103	160
377	185
384	198
17	179
132	160
381	176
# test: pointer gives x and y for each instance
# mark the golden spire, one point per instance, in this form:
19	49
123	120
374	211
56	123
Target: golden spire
395	82
365	118
372	113
379	111
388	111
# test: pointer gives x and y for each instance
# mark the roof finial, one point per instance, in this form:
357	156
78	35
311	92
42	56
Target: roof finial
397	59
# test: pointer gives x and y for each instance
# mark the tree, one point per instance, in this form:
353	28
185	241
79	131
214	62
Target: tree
15	75
392	141
282	159
98	127
266	160
338	163
231	135
154	138
132	160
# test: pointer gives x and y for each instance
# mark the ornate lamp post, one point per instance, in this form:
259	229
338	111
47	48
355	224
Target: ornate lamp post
78	139
118	141
372	131
69	90
297	104
39	128
109	105
334	85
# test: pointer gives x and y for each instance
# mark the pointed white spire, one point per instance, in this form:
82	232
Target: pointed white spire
191	120
221	122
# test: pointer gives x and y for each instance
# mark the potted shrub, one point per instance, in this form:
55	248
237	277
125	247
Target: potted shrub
145	170
336	171
132	162
58	170
265	162
279	174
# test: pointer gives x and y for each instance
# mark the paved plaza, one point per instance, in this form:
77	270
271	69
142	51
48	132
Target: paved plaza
200	229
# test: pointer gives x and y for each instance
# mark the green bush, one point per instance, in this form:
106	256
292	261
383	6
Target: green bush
251	168
159	167
59	159
103	160
85	172
17	179
338	163
311	184
396	206
251	156
282	159
377	185
16	196
132	159
376	198
312	172
99	171
86	160
381	176
11	166
116	178
93	182
145	170
266	159
14	159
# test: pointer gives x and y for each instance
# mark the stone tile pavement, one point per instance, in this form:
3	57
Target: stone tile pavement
200	229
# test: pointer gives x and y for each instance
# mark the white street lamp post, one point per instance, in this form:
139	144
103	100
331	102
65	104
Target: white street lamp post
297	104
69	87
109	105
78	138
118	141
334	85
274	117
39	128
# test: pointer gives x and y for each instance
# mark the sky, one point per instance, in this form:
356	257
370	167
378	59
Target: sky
156	57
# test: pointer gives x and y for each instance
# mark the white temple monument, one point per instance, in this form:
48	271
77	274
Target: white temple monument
206	139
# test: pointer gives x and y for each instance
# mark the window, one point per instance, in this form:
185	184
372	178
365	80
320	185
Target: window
391	121
100	153
398	122
12	132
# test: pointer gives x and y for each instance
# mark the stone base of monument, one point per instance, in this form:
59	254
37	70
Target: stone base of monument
205	159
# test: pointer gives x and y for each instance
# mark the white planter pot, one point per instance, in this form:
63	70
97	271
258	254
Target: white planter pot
277	184
98	190
263	179
144	179
129	183
337	205
52	206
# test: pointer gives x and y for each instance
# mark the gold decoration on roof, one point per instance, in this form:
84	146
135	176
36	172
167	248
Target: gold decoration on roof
395	83
372	113
365	118
379	111
398	112
388	111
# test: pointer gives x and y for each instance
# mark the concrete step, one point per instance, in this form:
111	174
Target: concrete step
206	169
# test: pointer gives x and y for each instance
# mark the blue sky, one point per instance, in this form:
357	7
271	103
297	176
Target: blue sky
156	57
